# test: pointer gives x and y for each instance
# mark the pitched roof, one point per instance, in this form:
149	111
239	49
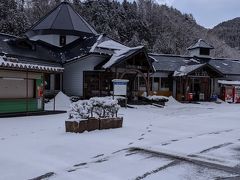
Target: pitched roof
42	53
188	69
200	44
62	18
169	63
122	54
226	66
9	46
185	70
106	45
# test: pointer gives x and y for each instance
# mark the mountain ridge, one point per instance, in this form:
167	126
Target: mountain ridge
229	32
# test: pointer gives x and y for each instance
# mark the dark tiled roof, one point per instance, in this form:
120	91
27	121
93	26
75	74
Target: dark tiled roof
168	62
9	46
226	66
78	48
171	63
62	18
43	53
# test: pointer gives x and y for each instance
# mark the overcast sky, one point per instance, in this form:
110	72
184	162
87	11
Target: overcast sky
207	13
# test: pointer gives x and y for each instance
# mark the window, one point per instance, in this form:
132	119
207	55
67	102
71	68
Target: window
47	80
164	83
156	79
204	51
62	40
57	81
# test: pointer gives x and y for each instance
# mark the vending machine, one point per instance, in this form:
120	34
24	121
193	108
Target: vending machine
227	93
237	94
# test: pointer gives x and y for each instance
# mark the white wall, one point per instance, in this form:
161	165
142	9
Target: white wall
73	73
196	52
53	39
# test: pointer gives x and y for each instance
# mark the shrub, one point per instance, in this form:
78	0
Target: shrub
80	110
98	107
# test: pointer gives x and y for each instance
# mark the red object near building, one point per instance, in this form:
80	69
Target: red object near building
237	94
231	94
190	96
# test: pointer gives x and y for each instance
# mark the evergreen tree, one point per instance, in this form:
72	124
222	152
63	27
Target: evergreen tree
12	19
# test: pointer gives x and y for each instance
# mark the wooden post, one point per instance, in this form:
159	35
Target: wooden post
27	108
43	88
148	84
54	104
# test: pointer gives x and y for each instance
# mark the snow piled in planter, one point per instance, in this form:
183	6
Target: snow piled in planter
98	107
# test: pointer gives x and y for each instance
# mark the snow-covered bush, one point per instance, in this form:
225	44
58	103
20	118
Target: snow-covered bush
80	110
102	107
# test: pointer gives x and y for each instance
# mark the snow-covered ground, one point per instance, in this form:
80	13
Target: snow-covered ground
33	146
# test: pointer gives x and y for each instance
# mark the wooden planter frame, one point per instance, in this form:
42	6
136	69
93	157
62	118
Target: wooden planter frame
92	124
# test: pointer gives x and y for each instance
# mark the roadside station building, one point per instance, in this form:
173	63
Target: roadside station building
62	52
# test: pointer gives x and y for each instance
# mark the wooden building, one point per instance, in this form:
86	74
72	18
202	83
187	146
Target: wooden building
22	85
62	52
192	77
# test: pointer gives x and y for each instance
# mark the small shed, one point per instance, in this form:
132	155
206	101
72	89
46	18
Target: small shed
22	85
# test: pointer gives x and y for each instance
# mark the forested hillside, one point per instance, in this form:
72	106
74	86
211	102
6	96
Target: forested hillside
160	28
229	31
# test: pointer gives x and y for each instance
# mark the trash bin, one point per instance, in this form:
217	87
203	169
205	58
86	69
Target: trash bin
201	96
214	97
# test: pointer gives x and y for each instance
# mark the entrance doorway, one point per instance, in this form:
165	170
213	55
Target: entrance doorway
200	88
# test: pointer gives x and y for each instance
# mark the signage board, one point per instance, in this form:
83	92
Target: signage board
120	87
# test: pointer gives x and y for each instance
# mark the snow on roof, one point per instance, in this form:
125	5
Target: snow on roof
105	43
9	64
185	70
200	44
119	54
96	43
1	59
229	82
110	44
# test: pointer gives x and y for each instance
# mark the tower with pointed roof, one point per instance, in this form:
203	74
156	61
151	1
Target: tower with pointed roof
60	27
200	49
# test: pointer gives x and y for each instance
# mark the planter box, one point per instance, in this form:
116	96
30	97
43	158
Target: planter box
93	124
118	122
108	123
72	126
83	126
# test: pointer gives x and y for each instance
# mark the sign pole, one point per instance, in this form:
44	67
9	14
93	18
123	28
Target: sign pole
120	88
